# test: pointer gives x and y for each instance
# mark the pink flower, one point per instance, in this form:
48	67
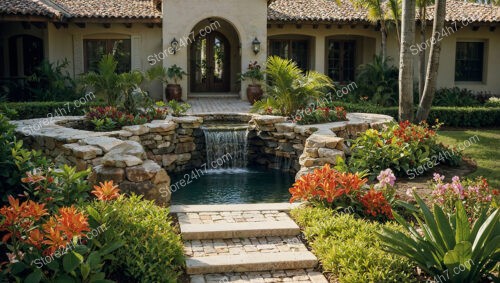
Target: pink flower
455	179
386	177
438	177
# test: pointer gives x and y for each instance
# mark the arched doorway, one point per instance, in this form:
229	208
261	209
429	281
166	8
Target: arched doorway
210	63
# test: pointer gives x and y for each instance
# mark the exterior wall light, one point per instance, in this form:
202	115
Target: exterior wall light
174	44
256	46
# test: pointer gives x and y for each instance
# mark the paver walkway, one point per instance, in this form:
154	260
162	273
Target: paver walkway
217	105
244	243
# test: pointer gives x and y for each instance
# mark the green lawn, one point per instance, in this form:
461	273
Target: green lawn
485	151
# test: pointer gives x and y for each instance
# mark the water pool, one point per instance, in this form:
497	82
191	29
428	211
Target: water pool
224	186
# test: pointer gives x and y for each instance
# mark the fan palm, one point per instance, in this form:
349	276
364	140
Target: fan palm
288	88
104	82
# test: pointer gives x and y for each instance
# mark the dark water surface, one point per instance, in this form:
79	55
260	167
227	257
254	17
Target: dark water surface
223	186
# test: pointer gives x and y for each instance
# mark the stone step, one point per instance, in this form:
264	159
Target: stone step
280	206
250	262
291	275
238	230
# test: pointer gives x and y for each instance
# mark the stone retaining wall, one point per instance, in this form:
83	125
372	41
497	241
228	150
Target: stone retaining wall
139	157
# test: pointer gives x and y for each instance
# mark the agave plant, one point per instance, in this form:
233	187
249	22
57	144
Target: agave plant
289	88
449	247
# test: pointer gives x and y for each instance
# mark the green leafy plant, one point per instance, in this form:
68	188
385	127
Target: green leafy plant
178	108
254	73
289	89
448	243
173	74
153	251
348	248
455	97
50	82
105	82
377	82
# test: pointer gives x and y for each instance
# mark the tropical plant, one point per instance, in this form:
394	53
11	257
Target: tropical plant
289	89
49	82
455	97
254	73
106	82
110	118
173	72
378	81
448	247
178	108
320	114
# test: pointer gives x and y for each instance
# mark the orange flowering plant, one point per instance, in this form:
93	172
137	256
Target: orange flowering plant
106	191
346	191
63	186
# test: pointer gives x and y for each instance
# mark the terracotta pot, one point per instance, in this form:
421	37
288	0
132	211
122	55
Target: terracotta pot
254	93
173	91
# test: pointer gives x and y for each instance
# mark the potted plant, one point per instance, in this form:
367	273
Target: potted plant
173	73
255	74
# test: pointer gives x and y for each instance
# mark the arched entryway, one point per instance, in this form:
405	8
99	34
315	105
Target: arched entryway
214	58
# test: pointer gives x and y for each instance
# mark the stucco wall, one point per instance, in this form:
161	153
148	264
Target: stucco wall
249	19
68	43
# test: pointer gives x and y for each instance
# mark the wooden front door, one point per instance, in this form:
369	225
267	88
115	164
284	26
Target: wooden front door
210	63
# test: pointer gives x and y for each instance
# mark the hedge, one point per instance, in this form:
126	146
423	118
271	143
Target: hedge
450	116
30	110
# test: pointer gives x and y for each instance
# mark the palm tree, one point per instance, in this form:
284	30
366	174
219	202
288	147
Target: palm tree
394	14
288	88
406	61
104	81
425	104
422	8
376	14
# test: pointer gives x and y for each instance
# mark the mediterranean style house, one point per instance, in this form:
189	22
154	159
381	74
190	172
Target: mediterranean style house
214	40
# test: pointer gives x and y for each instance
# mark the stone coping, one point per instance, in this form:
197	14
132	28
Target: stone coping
280	206
51	127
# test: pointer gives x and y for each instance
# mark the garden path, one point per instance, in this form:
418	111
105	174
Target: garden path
244	243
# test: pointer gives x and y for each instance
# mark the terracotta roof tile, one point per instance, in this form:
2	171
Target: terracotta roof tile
138	9
328	10
28	7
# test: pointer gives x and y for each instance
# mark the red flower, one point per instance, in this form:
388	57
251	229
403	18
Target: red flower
376	204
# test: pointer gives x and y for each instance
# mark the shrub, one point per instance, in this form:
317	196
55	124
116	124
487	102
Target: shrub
31	110
455	97
476	195
153	251
15	160
400	147
320	114
178	108
492	102
346	191
449	247
348	247
289	89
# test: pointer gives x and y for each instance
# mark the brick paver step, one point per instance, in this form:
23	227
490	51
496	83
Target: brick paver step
238	230
294	275
250	262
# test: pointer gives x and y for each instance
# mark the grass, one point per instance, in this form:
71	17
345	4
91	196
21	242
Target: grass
484	151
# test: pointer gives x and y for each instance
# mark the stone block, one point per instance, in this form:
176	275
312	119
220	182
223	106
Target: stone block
147	170
136	130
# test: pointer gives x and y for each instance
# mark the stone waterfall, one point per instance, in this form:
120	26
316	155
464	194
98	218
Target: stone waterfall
226	146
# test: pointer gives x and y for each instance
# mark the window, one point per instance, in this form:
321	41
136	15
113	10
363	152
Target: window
294	49
94	49
25	54
469	61
341	60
